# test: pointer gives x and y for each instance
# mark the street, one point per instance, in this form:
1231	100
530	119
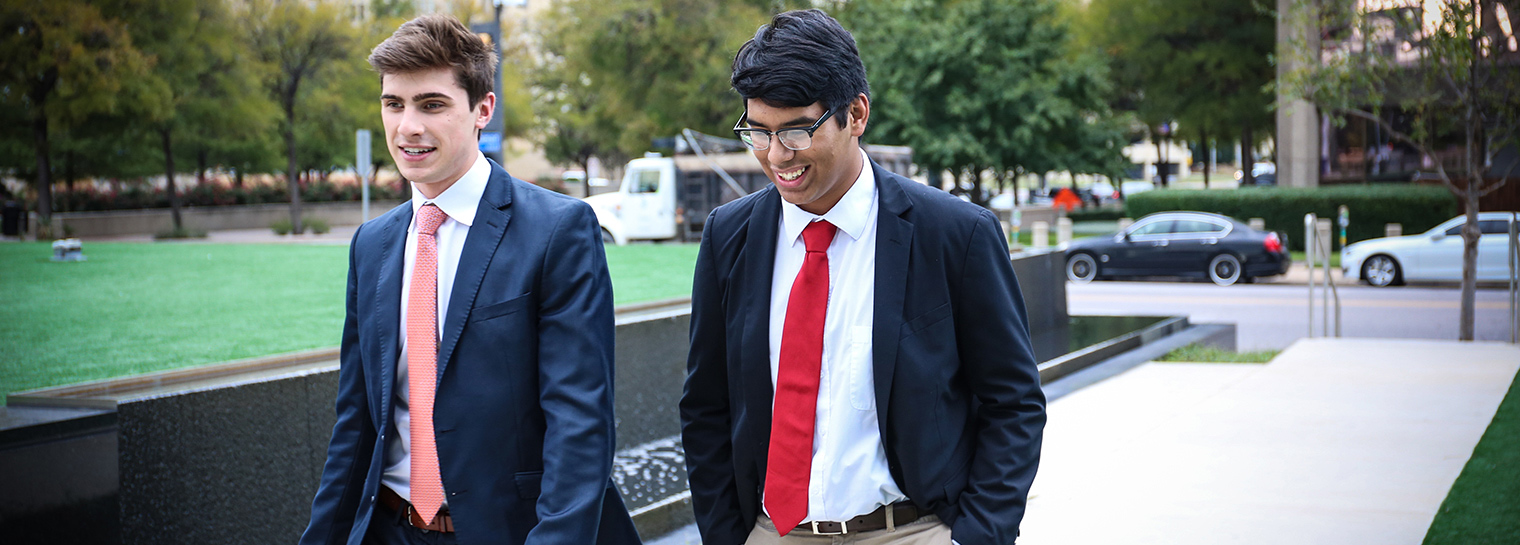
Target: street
1271	317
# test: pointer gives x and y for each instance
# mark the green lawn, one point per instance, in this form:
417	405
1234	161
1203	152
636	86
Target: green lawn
1208	354
1483	506
138	308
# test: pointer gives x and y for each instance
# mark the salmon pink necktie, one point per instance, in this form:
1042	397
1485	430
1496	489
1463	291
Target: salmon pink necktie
790	461
422	364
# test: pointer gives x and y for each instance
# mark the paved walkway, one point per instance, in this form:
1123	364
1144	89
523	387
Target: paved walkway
1335	442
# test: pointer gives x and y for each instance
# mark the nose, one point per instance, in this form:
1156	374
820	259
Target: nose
410	123
778	153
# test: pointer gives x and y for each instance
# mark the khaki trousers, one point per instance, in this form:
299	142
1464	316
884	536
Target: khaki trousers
927	530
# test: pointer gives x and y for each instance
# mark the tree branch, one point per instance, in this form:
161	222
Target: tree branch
1441	170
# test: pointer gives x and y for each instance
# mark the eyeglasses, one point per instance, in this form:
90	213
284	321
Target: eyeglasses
797	139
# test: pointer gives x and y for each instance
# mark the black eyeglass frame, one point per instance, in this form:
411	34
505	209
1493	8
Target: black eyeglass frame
776	135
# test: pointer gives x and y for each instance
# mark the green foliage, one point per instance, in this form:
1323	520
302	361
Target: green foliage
983	85
281	227
1483	506
317	226
1416	207
1204	63
179	233
1096	214
1208	354
617	74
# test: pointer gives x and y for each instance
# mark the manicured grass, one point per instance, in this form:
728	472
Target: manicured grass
138	308
1335	259
1483	506
1209	354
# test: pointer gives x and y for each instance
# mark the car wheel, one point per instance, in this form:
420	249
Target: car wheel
1224	269
1382	271
1081	268
607	237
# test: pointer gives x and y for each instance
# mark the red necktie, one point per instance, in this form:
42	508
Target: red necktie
790	461
422	364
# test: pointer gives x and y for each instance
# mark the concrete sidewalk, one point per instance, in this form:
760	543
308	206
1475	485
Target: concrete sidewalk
1335	442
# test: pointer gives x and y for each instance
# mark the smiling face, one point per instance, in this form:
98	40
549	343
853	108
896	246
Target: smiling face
430	127
816	178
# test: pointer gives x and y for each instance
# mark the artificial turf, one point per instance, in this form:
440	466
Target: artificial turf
134	308
1483	505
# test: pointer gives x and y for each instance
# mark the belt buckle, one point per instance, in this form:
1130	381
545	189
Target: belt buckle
844	528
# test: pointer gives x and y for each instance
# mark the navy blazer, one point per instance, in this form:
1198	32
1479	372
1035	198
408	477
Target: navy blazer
523	412
957	389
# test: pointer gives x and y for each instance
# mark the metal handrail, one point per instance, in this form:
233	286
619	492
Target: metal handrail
1514	278
1317	254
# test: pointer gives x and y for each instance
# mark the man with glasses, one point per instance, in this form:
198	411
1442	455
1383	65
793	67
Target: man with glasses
860	363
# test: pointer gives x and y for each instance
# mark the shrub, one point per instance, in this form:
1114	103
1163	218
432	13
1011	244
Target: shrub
182	232
1417	207
281	226
316	225
1096	214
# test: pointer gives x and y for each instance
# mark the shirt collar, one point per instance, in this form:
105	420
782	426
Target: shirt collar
850	214
460	200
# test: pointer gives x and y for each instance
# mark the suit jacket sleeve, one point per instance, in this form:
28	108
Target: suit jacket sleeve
705	407
993	338
575	347
353	437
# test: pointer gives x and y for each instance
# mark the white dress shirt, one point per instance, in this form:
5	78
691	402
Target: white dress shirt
849	471
459	201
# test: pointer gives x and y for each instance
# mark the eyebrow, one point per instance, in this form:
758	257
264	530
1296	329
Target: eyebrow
797	121
419	97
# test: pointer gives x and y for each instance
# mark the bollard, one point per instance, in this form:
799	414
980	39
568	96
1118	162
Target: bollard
1257	224
1063	231
1041	235
1393	230
1124	223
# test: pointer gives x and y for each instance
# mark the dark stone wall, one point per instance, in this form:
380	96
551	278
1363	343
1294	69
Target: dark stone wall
650	372
1042	278
235	464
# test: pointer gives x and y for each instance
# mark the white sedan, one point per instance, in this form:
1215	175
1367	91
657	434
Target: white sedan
1435	255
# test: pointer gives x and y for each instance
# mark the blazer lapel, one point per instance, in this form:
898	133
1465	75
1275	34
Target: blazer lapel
752	273
894	237
491	218
388	304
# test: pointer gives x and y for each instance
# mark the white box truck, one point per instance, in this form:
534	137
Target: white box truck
669	198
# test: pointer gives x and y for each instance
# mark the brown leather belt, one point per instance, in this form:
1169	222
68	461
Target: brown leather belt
902	513
389	499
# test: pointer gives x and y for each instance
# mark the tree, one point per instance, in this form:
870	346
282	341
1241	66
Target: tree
979	85
618	74
1204	63
204	68
299	41
1454	72
65	61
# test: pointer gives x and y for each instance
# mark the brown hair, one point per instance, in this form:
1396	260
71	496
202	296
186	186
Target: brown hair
438	41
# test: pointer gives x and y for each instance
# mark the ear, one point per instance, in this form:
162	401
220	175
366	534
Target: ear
484	110
860	113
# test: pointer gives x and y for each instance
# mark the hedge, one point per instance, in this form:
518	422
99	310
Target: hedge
1417	207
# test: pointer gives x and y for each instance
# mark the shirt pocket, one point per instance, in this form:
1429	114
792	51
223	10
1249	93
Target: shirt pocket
858	362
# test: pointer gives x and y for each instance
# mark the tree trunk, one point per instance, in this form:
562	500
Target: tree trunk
1247	157
1205	148
200	168
44	176
237	178
68	202
1470	231
977	196
179	224
292	175
1160	168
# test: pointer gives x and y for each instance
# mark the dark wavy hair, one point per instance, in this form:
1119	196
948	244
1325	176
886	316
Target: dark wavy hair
801	57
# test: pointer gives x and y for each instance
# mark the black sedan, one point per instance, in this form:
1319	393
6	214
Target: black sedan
1180	244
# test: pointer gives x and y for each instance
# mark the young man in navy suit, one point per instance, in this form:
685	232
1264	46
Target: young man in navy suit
475	393
860	360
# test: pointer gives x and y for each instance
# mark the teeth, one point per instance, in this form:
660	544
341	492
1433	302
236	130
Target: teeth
789	176
416	151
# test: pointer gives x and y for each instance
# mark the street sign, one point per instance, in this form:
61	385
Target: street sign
490	141
362	165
